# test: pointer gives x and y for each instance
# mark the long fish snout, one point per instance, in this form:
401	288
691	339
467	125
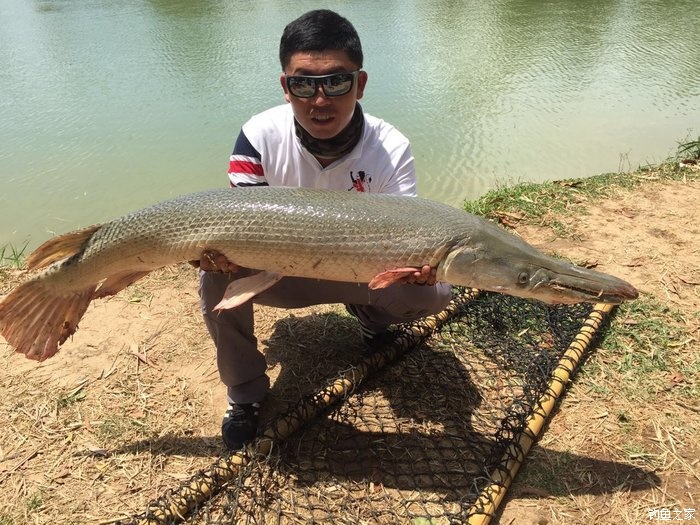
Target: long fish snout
575	284
515	268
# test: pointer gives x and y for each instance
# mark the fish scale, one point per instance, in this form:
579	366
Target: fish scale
273	227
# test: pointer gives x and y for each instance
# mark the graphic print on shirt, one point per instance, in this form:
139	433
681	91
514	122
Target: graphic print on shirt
360	183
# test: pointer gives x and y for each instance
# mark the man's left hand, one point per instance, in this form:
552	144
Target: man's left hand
426	276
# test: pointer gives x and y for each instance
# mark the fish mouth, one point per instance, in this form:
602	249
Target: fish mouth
581	285
619	294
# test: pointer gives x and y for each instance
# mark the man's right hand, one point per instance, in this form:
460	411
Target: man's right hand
213	261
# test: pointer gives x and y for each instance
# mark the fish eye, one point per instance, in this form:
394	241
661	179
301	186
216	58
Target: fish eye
523	277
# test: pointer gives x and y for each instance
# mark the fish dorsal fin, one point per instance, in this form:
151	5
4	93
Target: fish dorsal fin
60	247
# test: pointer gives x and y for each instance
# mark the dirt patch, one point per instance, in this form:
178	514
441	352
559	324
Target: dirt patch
649	237
132	404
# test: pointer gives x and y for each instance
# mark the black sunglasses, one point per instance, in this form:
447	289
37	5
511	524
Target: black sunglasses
333	85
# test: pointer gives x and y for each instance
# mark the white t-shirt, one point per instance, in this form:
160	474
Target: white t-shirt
268	152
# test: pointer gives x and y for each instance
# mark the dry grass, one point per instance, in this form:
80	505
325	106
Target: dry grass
79	442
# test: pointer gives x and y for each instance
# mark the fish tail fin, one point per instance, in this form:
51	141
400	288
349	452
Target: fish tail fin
60	247
35	320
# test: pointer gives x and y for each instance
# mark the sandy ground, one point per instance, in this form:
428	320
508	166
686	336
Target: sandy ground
650	236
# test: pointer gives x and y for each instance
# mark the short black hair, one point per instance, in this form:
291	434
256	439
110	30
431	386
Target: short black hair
320	30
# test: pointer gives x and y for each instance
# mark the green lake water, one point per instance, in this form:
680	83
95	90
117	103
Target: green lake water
110	106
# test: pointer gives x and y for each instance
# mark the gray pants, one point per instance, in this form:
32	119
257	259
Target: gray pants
242	366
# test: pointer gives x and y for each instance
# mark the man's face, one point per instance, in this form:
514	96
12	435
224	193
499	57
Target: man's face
323	117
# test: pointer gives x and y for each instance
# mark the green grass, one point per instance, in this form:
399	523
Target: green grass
648	338
642	351
548	471
690	149
535	201
121	428
11	255
35	502
639	453
71	398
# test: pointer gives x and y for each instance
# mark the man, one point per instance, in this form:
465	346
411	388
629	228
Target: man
320	139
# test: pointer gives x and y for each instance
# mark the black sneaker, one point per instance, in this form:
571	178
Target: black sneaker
240	424
372	338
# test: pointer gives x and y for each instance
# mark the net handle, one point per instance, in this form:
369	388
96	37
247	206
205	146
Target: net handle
486	505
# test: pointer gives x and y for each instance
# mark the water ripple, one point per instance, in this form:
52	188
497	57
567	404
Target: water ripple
108	106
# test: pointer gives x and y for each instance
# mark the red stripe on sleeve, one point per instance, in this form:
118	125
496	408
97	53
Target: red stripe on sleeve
242	166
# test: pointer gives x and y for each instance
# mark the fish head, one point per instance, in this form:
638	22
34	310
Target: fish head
506	264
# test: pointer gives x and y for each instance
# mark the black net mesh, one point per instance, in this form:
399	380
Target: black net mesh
417	443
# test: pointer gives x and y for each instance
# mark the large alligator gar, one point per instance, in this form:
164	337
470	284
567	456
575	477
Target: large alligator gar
341	236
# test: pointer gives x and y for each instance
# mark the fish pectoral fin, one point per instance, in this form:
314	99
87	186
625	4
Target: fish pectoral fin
242	290
116	283
389	277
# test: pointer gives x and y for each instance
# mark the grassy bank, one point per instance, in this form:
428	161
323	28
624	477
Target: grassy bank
534	201
541	203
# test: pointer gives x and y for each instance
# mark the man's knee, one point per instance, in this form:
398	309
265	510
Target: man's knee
430	300
411	302
212	286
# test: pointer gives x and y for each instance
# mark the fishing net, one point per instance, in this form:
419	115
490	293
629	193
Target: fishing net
429	430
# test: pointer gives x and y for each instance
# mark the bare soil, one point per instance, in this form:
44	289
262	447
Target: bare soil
72	447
